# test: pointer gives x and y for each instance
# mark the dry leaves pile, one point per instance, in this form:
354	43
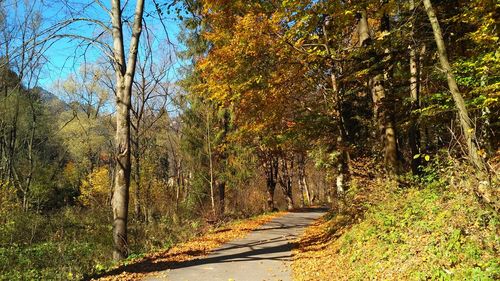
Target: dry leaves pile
314	258
197	248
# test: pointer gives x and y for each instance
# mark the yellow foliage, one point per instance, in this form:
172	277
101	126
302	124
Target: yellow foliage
95	189
7	198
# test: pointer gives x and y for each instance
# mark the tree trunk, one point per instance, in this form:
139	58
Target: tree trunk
465	121
271	169
342	181
343	162
300	184
222	197
414	131
382	107
286	181
124	79
222	160
137	173
210	165
304	189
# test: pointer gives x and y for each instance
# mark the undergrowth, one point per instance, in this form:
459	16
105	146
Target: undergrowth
70	244
434	228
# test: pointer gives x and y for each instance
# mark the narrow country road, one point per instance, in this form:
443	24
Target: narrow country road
265	254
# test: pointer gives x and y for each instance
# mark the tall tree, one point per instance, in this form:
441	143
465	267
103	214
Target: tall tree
415	85
465	121
124	71
382	105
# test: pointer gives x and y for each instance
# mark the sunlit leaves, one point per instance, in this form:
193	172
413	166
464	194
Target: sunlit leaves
95	189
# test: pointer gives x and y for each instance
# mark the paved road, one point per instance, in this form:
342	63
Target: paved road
265	254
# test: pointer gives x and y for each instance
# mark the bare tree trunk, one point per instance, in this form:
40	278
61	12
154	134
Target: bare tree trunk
465	121
31	161
178	181
300	184
306	189
210	165
137	172
124	78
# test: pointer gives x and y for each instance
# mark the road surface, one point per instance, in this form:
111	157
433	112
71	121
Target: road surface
265	254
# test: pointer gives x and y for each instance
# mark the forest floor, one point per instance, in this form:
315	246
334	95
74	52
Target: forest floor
434	230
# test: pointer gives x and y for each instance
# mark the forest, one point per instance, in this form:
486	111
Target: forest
136	131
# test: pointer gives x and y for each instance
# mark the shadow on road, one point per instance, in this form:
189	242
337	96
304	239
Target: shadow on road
255	249
272	241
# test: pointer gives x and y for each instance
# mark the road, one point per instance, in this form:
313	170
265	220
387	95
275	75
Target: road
265	254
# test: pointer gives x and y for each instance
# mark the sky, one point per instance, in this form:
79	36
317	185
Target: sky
65	56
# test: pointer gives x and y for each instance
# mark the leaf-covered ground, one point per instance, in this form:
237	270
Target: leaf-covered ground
435	232
194	249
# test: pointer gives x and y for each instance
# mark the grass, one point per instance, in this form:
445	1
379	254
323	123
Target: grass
434	231
73	243
60	246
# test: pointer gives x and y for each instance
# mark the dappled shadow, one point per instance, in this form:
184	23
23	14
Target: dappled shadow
339	223
258	250
274	245
282	226
350	212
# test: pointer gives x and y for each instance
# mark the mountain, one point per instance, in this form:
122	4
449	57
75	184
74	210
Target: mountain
51	100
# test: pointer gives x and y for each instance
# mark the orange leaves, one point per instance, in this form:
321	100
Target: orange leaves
251	67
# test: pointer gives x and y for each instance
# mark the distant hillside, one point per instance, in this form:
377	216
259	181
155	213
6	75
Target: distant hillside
54	102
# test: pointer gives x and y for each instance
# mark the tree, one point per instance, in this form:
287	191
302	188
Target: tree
465	121
149	98
21	63
84	126
124	71
381	101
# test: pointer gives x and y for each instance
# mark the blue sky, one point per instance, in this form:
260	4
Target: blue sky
65	56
